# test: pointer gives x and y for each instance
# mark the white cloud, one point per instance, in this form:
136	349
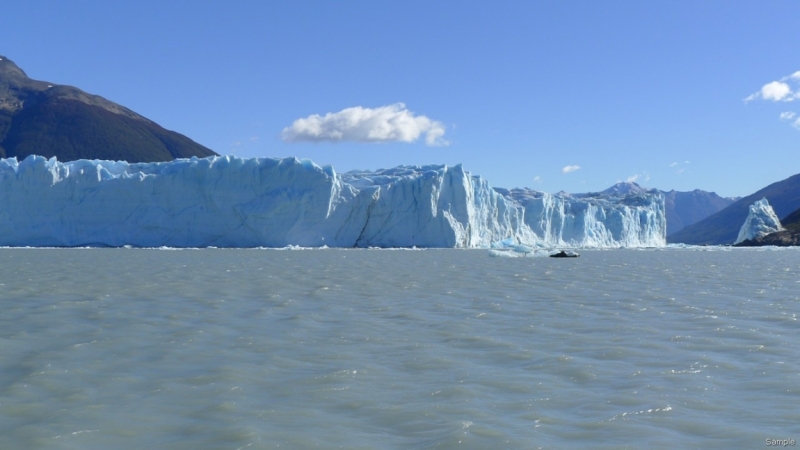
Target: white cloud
632	178
569	169
673	164
786	89
778	91
537	179
391	123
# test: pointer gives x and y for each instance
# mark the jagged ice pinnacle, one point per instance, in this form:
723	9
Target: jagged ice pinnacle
761	221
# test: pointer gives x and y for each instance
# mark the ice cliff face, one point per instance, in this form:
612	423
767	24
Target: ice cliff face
234	202
682	208
433	206
634	219
760	222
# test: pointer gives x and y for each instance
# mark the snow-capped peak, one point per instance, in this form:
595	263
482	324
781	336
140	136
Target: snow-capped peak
625	188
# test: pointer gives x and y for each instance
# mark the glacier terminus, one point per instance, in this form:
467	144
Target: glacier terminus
268	202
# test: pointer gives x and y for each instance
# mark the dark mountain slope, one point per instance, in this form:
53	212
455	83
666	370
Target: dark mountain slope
723	227
792	221
686	208
55	120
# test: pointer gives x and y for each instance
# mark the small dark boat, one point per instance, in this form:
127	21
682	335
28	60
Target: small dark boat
563	254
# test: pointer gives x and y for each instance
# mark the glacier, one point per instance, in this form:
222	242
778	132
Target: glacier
761	221
593	220
268	202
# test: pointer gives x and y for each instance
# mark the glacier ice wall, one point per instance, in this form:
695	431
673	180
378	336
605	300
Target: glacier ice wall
761	221
594	220
228	202
435	206
233	202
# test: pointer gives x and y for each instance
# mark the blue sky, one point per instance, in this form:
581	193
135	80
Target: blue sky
516	91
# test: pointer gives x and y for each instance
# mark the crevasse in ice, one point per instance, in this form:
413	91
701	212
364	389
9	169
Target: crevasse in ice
266	202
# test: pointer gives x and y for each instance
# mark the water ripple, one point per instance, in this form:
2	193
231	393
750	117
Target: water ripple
137	348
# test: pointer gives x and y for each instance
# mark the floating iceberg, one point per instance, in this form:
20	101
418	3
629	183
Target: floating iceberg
761	221
266	202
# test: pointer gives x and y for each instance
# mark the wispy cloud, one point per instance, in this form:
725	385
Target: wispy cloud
786	89
679	167
570	169
791	116
537	179
391	123
242	146
644	176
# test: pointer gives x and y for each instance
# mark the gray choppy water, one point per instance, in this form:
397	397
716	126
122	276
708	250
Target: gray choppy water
232	349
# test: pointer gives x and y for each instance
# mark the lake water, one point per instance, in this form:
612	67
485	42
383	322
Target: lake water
235	349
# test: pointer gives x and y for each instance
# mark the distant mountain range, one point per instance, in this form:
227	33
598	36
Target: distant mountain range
682	208
687	208
723	227
48	119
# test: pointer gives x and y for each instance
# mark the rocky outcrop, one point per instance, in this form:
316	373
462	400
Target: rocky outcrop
785	238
